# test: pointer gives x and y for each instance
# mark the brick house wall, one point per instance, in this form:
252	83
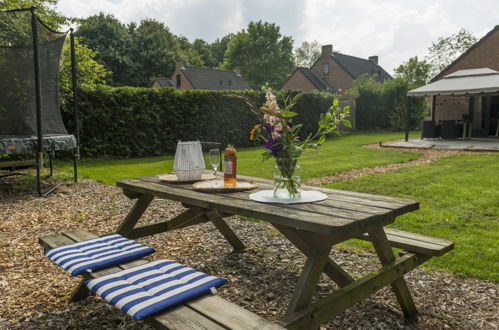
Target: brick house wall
184	82
338	78
297	81
156	85
484	54
451	107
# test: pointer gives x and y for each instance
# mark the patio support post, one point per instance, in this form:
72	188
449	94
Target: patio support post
433	107
407	116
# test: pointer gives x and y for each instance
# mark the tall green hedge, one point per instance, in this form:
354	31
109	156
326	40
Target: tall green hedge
131	122
384	105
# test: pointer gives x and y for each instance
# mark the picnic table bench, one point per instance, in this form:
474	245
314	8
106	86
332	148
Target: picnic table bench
207	312
313	228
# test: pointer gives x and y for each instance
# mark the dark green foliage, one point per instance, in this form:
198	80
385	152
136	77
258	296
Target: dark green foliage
383	105
111	40
153	52
261	54
415	71
218	48
130	122
136	54
204	50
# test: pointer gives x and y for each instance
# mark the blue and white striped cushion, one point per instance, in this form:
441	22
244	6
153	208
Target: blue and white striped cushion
147	289
97	253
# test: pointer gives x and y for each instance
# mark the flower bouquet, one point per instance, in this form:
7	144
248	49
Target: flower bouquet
282	139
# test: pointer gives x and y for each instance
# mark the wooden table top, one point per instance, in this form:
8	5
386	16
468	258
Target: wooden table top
344	214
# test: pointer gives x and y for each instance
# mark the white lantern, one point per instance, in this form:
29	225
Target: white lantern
189	163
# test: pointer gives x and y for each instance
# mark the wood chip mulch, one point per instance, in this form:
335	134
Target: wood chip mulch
34	292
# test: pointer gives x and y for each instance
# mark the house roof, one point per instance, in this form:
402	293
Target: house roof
356	66
314	78
213	79
469	50
164	82
462	82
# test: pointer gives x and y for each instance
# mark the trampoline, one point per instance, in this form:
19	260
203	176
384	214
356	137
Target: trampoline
30	115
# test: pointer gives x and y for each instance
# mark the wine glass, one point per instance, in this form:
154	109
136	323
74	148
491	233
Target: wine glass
215	159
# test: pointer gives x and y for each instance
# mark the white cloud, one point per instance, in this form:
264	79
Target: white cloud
393	30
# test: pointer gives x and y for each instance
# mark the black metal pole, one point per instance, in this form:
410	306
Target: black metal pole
38	94
433	108
407	124
51	167
76	156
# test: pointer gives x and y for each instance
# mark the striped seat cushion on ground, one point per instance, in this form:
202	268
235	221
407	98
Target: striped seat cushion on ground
97	253
147	289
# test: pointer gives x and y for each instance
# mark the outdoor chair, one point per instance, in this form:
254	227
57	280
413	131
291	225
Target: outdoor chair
450	130
431	130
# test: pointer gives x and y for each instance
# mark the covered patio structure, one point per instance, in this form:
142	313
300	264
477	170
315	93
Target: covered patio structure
480	119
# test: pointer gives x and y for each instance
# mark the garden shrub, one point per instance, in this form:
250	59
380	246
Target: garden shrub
384	105
133	122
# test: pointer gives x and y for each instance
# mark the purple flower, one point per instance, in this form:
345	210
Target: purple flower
273	146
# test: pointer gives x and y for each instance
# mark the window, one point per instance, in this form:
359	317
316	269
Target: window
220	83
230	83
325	69
179	81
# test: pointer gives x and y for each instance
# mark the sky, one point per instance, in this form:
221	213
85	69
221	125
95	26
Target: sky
395	30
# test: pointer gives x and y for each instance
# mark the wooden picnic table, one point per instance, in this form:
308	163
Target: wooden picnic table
313	228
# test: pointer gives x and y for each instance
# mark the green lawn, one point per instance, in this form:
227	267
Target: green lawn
336	155
459	201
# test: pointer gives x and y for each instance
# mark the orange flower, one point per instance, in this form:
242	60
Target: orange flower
252	133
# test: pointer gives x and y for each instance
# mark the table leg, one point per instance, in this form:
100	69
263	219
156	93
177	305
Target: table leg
307	282
225	230
134	215
333	270
190	217
385	255
80	292
319	247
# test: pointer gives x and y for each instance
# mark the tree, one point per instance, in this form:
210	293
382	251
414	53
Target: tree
111	40
204	51
416	72
186	54
89	71
445	50
16	28
307	53
218	48
261	54
154	52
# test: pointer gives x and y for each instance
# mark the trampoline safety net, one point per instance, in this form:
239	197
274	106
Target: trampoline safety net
18	122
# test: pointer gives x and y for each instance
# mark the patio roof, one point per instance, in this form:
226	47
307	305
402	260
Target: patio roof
462	82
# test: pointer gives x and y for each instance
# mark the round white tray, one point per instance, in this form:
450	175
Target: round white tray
217	185
171	177
307	196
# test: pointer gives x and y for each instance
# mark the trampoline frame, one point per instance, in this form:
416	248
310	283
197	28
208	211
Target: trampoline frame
40	136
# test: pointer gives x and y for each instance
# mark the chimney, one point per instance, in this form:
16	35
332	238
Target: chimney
327	50
374	59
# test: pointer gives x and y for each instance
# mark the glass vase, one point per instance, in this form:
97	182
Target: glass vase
287	178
